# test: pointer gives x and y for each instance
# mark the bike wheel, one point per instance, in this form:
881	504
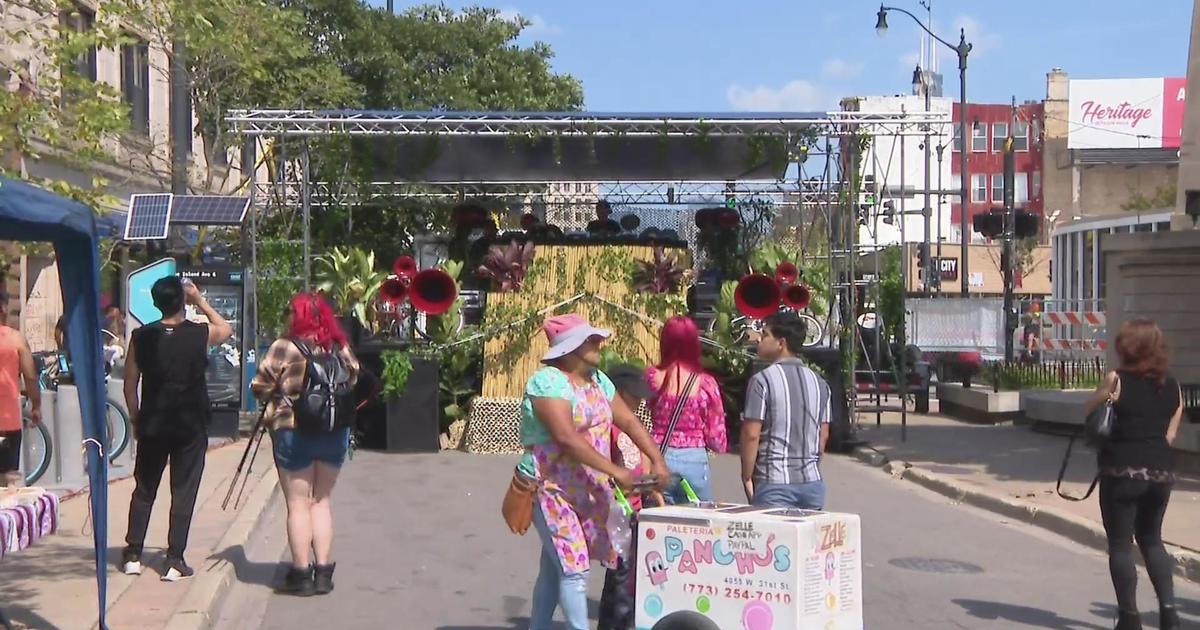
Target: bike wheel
117	423
814	332
36	451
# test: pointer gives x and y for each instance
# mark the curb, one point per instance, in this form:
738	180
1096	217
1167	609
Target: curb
1076	528
211	584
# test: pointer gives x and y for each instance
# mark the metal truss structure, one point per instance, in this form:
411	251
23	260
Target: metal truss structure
313	123
822	143
808	194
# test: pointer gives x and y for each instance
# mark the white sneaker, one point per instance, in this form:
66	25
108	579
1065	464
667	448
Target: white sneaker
131	563
177	570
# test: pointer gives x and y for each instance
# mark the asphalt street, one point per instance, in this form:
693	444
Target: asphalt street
421	545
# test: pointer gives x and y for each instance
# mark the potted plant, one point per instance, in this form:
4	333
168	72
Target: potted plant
506	265
662	274
348	276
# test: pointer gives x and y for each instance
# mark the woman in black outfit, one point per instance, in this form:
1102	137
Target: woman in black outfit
1137	468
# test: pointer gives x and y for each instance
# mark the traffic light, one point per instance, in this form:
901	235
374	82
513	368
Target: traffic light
990	223
1028	224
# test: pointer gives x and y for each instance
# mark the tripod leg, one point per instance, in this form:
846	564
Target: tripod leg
258	427
250	468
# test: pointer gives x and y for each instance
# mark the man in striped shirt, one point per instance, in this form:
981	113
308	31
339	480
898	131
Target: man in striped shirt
785	424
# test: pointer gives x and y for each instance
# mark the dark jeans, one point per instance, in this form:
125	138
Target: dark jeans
186	455
1134	509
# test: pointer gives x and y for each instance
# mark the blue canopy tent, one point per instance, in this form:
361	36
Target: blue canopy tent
29	213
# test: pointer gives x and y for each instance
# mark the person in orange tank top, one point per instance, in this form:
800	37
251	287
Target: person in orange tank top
16	364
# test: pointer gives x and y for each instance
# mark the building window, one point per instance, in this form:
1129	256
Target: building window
1020	136
957	138
979	141
135	84
998	188
1035	186
1021	189
979	191
1162	226
80	19
999	133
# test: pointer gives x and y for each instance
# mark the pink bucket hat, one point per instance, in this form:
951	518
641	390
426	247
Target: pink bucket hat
566	333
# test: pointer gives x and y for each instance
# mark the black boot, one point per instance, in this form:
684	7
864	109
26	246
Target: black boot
1168	618
324	578
1128	620
298	582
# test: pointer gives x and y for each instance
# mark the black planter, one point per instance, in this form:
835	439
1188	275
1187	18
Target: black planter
413	419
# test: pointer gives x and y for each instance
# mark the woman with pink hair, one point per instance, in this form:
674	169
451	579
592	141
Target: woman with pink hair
308	462
701	424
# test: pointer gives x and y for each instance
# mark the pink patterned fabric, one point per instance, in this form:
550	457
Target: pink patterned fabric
702	422
23	525
574	498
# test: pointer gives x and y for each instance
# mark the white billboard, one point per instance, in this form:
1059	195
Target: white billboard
1125	113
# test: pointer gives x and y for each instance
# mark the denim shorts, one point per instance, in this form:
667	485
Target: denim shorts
297	451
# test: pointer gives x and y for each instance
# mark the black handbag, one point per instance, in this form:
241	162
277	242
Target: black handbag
1098	426
1097	429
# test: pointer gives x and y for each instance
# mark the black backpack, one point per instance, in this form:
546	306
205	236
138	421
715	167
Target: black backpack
326	400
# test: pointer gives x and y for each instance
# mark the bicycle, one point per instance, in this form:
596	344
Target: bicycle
744	327
116	419
36	447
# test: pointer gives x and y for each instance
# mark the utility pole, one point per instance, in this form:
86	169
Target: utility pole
940	201
1008	257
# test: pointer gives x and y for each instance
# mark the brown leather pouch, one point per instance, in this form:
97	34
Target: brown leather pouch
517	507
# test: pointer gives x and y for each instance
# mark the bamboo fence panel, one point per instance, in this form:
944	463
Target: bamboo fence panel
556	285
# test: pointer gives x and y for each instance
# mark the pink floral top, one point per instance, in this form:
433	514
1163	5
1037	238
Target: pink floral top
702	422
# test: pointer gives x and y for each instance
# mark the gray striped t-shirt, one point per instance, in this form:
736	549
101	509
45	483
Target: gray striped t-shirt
792	402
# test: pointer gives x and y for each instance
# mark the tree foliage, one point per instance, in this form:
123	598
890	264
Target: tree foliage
1162	197
425	58
51	108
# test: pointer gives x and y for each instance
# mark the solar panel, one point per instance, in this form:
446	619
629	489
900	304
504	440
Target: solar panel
209	209
149	216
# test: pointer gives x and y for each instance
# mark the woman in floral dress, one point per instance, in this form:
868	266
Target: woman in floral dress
567	417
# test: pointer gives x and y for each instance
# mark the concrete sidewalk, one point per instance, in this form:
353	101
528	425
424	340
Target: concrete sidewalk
52	585
1011	469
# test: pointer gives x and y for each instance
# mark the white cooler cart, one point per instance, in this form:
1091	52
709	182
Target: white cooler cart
724	566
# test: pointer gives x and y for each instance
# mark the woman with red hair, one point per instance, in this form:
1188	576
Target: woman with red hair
308	462
1137	468
701	424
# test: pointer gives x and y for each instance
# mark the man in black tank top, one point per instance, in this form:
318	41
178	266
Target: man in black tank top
170	420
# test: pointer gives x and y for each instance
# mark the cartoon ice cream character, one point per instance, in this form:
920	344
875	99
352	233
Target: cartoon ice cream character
656	568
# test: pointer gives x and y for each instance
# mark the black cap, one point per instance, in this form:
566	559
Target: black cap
629	379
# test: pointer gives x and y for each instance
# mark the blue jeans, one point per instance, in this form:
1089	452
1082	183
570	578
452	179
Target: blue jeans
803	496
691	464
555	588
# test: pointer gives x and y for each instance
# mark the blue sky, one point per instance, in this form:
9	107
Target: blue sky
802	55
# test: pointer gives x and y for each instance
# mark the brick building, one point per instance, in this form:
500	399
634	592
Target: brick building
989	126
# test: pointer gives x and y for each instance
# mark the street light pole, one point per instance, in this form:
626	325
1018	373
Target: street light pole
920	80
962	50
964	201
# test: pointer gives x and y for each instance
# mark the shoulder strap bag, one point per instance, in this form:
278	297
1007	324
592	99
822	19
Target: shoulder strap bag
1097	430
